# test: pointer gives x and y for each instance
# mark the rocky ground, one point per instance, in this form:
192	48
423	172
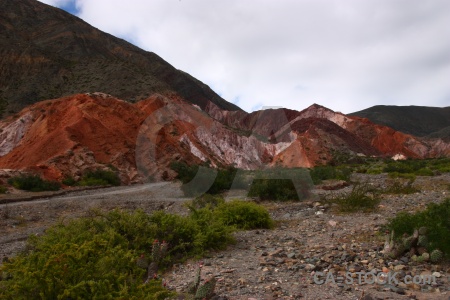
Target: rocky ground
310	238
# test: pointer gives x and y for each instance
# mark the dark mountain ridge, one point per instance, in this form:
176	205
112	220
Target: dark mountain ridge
422	121
47	53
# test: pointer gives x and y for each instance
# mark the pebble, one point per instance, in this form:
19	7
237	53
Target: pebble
436	274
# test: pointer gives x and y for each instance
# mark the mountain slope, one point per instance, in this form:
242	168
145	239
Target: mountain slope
47	53
416	120
70	135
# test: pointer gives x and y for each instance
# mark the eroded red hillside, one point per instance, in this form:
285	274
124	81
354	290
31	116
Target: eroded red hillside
67	136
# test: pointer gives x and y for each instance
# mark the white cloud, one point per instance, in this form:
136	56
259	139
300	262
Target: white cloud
345	55
57	3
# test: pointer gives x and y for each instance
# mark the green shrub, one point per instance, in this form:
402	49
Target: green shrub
374	171
99	177
419	167
185	173
244	215
267	187
215	234
398	187
33	183
273	189
443	169
206	200
362	197
424	172
399	167
69	181
436	218
92	257
97	256
410	176
3	189
223	179
320	173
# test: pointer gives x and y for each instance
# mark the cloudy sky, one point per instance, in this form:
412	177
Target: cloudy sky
345	55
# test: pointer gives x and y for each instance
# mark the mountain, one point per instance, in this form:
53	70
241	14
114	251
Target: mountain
67	136
420	121
115	105
47	53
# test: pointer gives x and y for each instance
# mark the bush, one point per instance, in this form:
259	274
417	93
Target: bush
223	179
185	173
397	187
206	201
88	258
274	189
399	167
99	177
363	197
419	167
3	189
267	187
320	173
436	217
244	215
33	183
97	256
69	181
424	172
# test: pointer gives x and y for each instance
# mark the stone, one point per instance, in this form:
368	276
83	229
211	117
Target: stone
397	290
399	267
291	255
436	274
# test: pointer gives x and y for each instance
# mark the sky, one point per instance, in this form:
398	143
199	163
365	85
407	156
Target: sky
345	55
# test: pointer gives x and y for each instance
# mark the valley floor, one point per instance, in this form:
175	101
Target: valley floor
266	264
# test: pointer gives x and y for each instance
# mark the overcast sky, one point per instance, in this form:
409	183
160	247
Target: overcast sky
345	55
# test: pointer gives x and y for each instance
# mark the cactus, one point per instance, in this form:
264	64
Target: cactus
436	256
424	257
423	241
415	245
408	242
418	258
421	250
193	286
206	291
159	250
423	230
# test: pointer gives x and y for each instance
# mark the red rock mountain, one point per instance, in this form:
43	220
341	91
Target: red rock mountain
66	136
